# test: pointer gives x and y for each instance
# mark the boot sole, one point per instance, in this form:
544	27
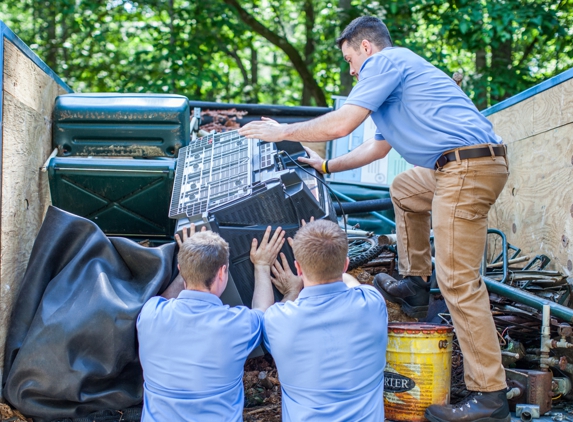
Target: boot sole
433	418
412	311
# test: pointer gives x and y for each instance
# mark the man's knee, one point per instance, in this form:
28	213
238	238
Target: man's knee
397	186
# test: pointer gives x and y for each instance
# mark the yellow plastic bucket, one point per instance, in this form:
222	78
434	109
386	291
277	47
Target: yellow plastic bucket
418	369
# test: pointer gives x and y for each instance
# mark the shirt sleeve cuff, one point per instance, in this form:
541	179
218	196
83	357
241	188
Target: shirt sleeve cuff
379	137
362	104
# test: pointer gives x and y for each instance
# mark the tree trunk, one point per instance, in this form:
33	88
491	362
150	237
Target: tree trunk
291	52
345	78
309	48
501	67
481	80
254	74
51	22
172	45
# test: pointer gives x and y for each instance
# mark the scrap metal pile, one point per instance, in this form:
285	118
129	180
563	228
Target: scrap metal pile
531	306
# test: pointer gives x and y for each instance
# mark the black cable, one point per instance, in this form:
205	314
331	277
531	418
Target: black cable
324	184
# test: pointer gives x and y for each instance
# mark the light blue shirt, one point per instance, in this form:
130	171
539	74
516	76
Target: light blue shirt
329	346
193	350
417	108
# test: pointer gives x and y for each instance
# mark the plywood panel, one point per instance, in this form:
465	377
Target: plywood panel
554	107
535	210
516	122
567	104
28	98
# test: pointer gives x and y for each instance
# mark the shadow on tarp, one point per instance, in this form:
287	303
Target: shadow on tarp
71	348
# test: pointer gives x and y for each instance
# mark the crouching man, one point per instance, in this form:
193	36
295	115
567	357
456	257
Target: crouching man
329	344
192	347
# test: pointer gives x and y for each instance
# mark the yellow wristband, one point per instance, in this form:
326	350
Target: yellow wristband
324	167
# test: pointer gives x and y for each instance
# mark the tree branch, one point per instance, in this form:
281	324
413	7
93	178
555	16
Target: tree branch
291	52
528	50
239	62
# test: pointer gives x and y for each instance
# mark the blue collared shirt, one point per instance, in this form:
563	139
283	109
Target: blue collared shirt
329	346
417	108
193	350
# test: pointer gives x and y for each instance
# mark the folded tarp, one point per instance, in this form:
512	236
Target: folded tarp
72	345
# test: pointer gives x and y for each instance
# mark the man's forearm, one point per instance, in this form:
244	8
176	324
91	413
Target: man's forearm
290	296
327	127
176	287
360	156
263	296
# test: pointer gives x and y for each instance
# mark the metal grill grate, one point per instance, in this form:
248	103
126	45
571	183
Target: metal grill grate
212	171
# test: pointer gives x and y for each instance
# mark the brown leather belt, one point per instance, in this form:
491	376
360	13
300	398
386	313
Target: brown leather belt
464	154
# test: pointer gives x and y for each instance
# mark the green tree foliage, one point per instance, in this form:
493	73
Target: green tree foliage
283	51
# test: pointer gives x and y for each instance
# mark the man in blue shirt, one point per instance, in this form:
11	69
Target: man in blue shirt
329	344
193	348
461	170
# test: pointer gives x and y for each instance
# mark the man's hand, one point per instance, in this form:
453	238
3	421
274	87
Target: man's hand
288	283
302	223
263	257
266	253
187	233
314	160
266	129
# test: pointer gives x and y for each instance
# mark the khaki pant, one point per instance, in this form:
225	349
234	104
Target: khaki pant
456	198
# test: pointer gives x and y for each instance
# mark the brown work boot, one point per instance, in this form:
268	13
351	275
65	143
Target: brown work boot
477	407
412	292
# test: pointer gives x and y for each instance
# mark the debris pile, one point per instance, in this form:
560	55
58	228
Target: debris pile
9	414
221	120
262	390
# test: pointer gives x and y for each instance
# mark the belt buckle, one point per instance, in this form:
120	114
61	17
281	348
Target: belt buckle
442	161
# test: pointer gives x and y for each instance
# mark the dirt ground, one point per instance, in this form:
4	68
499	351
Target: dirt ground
12	415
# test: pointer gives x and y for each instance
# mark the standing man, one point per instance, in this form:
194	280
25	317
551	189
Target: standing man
461	170
329	344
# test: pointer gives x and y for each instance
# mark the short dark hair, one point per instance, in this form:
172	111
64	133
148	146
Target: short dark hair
321	247
201	256
365	28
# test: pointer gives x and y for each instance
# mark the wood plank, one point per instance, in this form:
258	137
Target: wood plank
28	101
535	210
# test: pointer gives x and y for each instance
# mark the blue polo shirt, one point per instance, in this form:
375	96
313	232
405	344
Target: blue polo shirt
329	346
417	108
193	350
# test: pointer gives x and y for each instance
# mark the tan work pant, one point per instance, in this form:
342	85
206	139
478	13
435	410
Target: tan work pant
457	199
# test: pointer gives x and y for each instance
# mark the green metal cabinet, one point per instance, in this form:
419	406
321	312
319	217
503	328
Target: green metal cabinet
124	197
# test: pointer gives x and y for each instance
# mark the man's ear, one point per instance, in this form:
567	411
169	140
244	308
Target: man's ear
179	267
367	47
346	264
298	269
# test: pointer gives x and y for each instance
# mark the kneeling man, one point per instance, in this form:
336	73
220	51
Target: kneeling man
329	344
192	347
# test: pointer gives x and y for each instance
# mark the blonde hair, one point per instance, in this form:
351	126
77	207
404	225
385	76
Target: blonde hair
321	248
201	256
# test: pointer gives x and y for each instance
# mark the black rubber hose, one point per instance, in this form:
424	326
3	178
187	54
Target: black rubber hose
364	206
